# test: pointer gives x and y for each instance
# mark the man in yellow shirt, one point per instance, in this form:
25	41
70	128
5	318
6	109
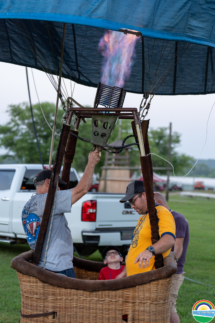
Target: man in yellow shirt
141	253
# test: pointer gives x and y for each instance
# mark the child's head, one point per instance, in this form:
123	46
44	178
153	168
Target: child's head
111	255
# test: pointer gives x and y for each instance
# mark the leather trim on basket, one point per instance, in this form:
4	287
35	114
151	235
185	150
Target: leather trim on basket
23	265
87	264
37	315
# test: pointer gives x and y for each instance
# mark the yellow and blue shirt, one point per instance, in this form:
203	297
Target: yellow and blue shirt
142	239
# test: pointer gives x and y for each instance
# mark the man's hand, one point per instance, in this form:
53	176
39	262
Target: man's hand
143	258
93	158
86	180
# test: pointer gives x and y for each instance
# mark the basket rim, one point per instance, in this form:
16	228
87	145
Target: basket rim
23	265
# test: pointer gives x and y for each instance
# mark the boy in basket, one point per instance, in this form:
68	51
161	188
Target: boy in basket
112	258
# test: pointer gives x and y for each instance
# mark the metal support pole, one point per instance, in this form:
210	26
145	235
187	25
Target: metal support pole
139	135
120	129
169	159
51	192
106	164
57	101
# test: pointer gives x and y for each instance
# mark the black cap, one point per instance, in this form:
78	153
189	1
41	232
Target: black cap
104	252
133	189
44	174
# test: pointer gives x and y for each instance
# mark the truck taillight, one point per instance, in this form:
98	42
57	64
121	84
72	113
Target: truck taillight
89	211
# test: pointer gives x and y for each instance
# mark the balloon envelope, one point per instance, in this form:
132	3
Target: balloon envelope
175	55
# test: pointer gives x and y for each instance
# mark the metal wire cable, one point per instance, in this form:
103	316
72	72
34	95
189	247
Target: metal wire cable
41	105
194	281
108	147
32	116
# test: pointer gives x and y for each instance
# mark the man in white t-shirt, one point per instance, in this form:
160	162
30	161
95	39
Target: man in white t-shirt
60	252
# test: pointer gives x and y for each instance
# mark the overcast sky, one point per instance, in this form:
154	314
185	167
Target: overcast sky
188	114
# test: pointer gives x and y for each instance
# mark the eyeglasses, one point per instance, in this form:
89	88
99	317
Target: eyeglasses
110	253
133	200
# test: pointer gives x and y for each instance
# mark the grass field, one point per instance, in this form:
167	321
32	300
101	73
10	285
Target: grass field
200	263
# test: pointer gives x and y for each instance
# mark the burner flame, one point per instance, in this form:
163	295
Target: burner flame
118	51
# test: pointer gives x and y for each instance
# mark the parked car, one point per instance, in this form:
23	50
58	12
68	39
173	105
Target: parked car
97	220
199	186
94	188
159	188
176	187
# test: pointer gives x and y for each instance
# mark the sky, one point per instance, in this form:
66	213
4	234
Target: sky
188	114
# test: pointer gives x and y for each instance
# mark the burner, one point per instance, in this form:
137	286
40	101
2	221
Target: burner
102	127
109	96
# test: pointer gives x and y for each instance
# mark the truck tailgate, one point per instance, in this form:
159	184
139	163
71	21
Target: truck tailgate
112	213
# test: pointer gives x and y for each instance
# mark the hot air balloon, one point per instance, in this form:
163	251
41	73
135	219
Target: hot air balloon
174	54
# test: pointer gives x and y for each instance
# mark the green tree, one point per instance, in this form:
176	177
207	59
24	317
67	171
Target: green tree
17	135
202	170
159	144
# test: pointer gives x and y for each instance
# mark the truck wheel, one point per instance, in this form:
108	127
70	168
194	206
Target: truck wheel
83	250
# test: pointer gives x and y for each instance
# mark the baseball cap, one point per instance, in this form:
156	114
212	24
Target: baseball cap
104	252
133	189
44	174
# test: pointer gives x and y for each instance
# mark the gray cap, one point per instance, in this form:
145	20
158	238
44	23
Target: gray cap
44	174
133	189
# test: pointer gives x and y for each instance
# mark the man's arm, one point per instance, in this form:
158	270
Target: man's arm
83	186
165	243
178	247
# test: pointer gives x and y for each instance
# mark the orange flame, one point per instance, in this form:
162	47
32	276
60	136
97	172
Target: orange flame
118	51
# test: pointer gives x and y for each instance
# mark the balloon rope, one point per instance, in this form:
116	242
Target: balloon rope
57	101
41	105
32	116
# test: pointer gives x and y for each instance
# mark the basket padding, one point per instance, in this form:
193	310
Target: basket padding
51	192
23	265
151	207
68	158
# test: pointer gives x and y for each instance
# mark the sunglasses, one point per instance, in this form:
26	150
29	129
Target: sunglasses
132	202
110	253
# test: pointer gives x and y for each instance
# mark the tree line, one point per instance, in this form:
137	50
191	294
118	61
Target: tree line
17	137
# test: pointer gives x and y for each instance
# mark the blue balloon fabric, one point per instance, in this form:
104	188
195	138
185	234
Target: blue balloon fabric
175	54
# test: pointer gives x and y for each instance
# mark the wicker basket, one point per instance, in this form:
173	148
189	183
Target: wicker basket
86	300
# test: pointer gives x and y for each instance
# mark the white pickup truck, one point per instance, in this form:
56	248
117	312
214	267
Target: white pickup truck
96	220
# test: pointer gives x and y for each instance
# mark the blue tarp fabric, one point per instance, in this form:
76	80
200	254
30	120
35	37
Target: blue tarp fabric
176	54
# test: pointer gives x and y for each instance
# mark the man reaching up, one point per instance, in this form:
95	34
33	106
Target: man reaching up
60	252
